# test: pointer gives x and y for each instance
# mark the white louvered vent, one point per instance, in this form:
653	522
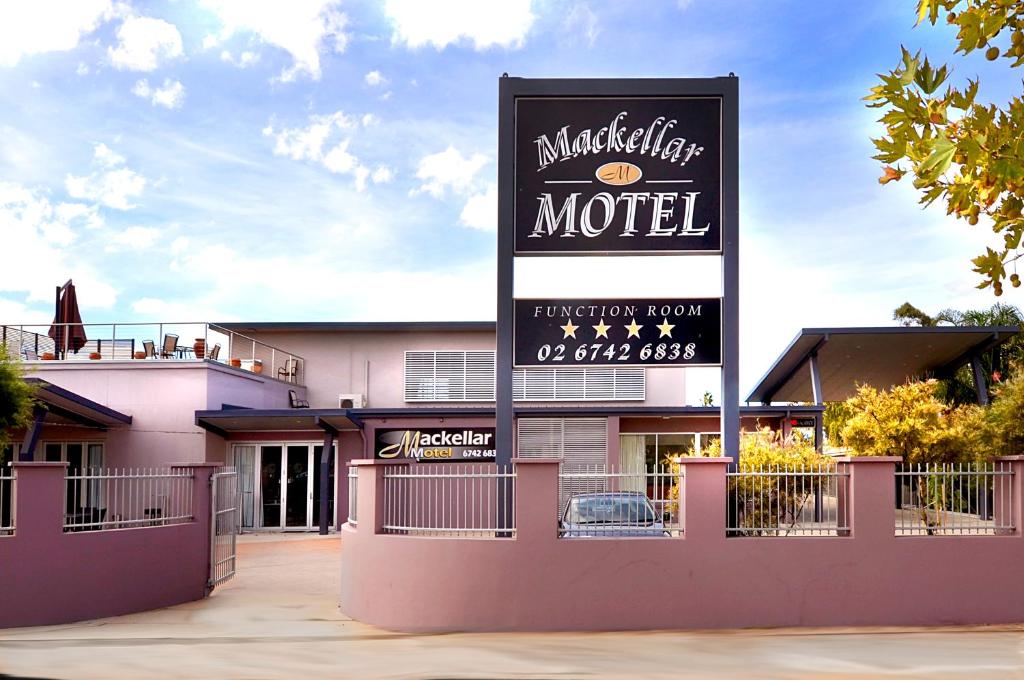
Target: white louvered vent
581	443
468	375
578	441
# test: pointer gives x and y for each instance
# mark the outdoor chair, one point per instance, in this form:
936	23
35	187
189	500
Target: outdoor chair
295	402
150	348
214	353
170	348
289	370
29	354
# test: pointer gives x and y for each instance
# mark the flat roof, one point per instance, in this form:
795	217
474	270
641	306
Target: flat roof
228	420
880	357
68	408
360	326
288	419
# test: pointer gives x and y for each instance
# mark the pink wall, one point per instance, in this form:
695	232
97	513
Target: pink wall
537	581
336	360
51	577
162	398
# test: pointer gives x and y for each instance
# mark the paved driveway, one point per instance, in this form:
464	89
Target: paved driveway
278	619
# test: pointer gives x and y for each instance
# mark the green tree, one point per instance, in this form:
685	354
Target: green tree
15	395
912	422
909	315
966	153
1006	416
997	364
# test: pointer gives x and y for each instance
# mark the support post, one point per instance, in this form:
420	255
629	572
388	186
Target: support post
504	419
330	435
730	415
28	448
980	388
325	482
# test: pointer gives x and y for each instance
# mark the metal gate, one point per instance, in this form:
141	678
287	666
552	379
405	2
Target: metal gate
223	525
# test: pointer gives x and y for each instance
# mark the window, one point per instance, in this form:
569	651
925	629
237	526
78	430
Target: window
81	457
637	451
468	375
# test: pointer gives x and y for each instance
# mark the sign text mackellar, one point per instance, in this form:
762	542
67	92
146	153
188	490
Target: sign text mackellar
617	175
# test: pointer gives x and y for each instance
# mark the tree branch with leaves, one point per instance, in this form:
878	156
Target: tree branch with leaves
966	153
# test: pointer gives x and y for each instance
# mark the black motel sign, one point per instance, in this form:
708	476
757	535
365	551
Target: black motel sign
613	332
618	175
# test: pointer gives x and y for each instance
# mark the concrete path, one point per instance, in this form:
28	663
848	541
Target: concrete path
278	619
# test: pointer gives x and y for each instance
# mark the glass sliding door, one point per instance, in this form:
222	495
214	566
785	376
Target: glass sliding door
279	485
270	486
244	460
298	495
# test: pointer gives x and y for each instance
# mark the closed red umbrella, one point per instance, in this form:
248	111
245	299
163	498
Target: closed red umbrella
67	330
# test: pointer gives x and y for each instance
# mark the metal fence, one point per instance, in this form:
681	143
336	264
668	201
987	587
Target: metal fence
223	525
6	503
799	501
121	498
179	340
954	499
460	499
353	488
604	501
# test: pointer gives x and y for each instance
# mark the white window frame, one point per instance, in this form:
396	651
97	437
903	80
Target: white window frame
588	383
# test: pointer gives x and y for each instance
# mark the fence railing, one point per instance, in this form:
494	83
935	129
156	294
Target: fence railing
6	503
804	501
436	499
604	501
954	499
153	341
353	488
121	498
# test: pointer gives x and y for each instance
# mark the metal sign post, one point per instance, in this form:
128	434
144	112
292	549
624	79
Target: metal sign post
603	167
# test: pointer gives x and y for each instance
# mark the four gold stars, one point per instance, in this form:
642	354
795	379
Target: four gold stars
632	329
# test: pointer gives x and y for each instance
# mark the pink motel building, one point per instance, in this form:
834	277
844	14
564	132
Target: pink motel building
270	398
296	386
266	397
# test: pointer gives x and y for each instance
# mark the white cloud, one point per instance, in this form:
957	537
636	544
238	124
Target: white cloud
82	69
369	119
110	183
245	59
481	210
143	43
133	238
40	26
303	28
444	22
374	78
44	236
333	132
448	169
179	245
171	95
581	22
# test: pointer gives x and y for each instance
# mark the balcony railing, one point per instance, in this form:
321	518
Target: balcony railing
167	341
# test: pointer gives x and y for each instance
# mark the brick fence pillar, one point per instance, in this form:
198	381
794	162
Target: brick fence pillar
704	497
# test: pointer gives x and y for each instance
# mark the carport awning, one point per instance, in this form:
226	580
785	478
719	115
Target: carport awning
224	421
881	357
64	407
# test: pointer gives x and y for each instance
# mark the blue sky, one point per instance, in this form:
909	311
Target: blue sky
319	160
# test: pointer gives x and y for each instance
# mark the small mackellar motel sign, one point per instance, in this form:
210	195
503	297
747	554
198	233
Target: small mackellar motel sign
618	175
435	444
